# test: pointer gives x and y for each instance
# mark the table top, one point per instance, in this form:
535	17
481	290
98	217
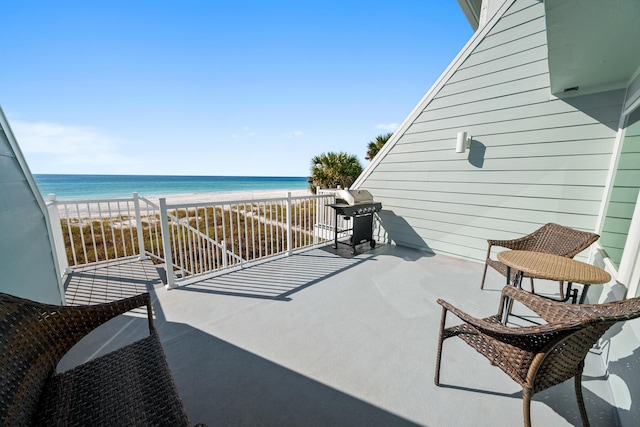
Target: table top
553	267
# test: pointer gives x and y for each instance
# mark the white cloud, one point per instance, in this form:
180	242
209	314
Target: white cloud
295	134
387	126
58	148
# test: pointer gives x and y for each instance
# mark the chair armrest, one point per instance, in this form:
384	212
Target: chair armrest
549	310
498	330
69	324
98	314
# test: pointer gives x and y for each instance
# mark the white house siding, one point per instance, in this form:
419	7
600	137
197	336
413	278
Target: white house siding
533	159
26	261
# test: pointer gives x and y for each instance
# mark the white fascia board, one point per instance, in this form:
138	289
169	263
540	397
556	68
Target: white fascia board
471	11
633	93
613	166
633	103
473	42
36	193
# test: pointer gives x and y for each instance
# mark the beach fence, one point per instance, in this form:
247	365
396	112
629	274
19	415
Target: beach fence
201	238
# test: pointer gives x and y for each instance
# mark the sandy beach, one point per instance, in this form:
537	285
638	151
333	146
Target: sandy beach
78	208
223	197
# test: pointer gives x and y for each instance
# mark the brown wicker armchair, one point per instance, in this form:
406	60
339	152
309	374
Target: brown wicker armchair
130	386
551	238
541	356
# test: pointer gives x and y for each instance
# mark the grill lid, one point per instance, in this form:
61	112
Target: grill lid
353	197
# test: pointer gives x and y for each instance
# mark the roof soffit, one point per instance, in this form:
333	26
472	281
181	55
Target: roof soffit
591	43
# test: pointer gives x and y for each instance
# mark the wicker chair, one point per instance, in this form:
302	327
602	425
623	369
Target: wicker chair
130	386
541	356
550	238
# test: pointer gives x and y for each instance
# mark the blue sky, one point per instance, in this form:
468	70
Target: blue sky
215	88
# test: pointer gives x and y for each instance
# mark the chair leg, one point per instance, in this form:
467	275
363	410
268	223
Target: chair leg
436	378
484	275
561	283
533	290
578	385
486	264
526	406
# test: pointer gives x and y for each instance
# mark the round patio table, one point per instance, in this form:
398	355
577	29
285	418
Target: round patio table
541	265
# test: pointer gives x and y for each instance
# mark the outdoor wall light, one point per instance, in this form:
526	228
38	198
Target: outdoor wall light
463	142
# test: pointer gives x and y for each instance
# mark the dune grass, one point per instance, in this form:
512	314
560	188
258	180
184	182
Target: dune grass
248	231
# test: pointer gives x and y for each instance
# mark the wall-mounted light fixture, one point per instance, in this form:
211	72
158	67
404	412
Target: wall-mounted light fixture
463	142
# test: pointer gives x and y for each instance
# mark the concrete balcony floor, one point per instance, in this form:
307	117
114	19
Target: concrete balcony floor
325	338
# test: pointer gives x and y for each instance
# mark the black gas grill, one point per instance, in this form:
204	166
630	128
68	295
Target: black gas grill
356	205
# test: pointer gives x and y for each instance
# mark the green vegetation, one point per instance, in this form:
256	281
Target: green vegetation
249	231
330	170
98	240
376	145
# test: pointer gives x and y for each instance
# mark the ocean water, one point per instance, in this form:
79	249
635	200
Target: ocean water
73	187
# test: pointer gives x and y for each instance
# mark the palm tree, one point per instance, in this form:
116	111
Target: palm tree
376	145
328	170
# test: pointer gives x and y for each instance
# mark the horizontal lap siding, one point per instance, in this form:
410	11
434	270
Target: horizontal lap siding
624	193
26	260
533	159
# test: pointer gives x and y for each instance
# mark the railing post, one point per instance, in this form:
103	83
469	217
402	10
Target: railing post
142	254
166	244
224	254
58	239
289	230
318	227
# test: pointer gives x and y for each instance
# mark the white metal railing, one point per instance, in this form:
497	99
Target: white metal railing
202	238
92	231
207	237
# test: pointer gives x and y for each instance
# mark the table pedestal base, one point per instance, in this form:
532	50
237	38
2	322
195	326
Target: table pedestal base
570	294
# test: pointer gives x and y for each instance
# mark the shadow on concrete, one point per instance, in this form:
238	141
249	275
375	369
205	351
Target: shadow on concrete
222	384
110	281
562	400
345	250
231	386
622	373
279	278
626	372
